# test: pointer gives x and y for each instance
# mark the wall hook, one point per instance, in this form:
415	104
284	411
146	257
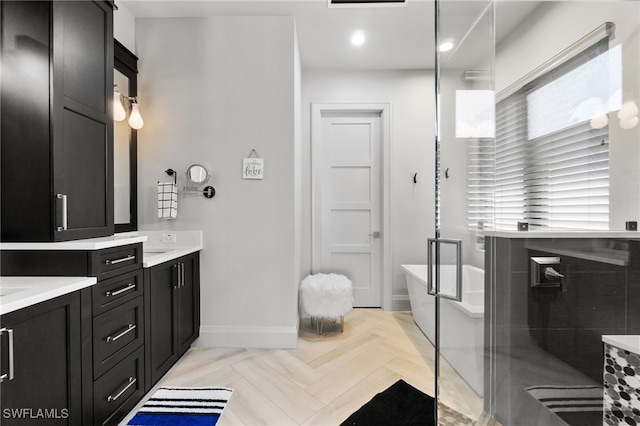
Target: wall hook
415	178
446	173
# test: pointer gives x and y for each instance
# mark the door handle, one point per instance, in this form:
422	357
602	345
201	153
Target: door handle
129	287
132	381
435	290
9	375
113	338
116	261
63	212
375	234
176	269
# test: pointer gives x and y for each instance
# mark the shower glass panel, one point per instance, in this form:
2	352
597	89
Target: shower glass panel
563	271
538	171
465	133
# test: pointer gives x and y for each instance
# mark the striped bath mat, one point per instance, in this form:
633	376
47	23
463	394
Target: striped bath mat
183	406
576	405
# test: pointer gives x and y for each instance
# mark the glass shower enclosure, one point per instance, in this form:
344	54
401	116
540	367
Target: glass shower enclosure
535	262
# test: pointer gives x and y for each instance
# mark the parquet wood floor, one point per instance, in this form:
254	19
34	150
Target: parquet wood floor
327	377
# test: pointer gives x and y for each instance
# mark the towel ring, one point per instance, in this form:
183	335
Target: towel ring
173	173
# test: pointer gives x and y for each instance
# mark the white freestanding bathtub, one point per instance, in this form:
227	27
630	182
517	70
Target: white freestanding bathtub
462	325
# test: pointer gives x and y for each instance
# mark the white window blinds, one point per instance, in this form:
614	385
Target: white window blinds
549	167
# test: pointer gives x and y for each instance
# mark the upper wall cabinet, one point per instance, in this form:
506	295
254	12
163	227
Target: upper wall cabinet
57	129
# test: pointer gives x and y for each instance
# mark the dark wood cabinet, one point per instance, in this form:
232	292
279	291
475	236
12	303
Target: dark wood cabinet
95	352
116	374
172	310
188	301
108	326
56	151
44	386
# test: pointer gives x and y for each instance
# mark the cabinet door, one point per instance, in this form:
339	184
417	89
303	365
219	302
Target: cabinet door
82	123
26	215
160	311
46	386
188	322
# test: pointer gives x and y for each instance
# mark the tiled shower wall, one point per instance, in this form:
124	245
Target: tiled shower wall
547	336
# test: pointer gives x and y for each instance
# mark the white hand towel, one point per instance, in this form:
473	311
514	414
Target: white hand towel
167	200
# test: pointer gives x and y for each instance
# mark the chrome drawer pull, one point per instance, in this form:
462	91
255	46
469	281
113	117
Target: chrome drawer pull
64	212
115	262
132	381
130	286
130	328
9	375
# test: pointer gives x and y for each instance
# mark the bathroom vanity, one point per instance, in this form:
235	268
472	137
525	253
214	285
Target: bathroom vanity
96	316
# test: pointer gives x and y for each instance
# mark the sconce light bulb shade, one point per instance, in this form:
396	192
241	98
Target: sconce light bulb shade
599	121
135	119
630	123
119	113
628	110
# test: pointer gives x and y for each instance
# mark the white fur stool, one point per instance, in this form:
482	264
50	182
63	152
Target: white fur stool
326	296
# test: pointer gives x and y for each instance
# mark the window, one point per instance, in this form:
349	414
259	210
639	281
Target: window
549	165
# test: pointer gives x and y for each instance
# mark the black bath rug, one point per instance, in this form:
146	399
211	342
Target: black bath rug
400	405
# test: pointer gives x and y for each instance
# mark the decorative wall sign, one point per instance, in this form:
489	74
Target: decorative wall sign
253	167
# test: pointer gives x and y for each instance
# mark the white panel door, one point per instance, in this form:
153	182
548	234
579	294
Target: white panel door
350	226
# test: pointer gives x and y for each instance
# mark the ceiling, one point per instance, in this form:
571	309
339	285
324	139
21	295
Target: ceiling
398	37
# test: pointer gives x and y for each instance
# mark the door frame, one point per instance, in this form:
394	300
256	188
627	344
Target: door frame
384	109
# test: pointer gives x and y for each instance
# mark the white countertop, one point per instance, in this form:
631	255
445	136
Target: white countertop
629	342
20	292
155	251
85	244
152	257
564	234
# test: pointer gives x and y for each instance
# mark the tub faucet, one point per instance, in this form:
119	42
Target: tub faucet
551	273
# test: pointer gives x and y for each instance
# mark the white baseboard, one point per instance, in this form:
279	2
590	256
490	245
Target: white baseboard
400	302
213	336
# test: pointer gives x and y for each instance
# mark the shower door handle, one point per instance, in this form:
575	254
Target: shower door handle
433	274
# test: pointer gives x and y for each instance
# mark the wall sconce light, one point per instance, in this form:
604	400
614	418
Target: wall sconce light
120	113
135	119
627	116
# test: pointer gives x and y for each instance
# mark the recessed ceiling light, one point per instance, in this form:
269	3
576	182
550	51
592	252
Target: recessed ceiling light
446	46
358	38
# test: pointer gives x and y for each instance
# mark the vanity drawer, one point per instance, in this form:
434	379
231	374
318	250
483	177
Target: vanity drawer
119	390
113	291
118	260
116	333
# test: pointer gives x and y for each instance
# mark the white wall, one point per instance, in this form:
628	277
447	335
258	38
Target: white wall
124	27
549	30
212	90
410	94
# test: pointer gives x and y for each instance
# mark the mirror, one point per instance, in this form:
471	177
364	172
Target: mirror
125	151
198	174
